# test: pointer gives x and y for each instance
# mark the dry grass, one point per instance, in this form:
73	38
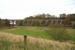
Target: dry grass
39	42
10	37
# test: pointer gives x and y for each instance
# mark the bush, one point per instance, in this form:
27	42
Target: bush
58	34
73	25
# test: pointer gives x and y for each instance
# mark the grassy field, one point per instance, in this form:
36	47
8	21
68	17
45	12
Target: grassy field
33	43
42	32
41	38
30	31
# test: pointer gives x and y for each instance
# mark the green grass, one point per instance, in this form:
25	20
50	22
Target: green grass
43	32
71	32
30	31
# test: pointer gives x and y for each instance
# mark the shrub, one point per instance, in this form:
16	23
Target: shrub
73	25
58	34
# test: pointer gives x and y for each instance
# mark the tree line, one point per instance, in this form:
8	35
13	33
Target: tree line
41	20
4	23
68	19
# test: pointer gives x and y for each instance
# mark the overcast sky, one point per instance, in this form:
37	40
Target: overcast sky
19	9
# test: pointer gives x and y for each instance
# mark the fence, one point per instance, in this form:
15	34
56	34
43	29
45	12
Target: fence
35	44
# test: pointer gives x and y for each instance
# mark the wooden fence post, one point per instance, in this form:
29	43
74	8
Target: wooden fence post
25	42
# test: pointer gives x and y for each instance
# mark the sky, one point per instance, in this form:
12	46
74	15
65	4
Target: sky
19	9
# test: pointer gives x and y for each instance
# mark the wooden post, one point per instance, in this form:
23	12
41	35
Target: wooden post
25	42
